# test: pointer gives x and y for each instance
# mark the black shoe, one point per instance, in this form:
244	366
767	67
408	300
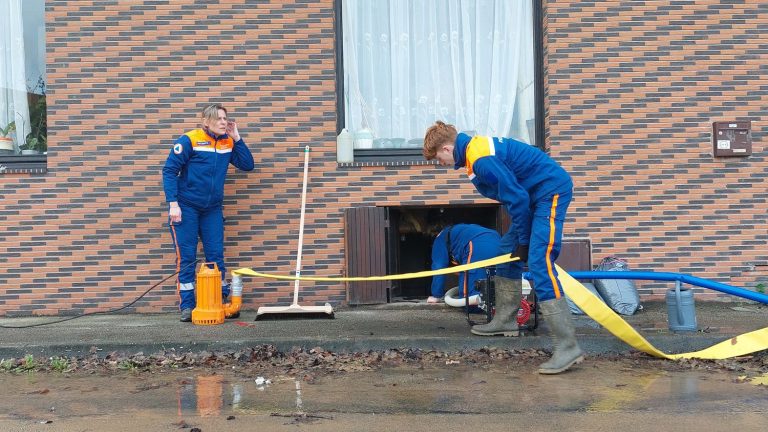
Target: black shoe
186	315
234	315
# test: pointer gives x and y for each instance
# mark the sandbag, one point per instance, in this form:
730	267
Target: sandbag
575	309
619	294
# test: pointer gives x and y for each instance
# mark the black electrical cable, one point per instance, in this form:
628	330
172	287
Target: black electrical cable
106	311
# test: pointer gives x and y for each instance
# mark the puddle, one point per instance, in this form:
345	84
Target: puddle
179	398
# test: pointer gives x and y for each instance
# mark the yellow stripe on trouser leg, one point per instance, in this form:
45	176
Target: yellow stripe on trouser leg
585	300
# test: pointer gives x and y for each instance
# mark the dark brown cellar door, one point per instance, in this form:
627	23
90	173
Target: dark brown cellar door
365	236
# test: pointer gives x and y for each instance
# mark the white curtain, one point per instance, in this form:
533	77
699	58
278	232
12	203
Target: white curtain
34	45
408	63
13	87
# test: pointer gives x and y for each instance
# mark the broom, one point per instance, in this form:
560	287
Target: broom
295	310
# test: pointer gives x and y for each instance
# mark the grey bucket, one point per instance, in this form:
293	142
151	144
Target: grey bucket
681	309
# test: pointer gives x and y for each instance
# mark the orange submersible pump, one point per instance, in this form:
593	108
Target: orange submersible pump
210	309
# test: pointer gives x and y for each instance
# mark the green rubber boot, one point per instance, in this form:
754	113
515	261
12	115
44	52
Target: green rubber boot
509	292
566	351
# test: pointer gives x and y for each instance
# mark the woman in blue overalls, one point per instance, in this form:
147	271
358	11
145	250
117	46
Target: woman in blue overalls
193	181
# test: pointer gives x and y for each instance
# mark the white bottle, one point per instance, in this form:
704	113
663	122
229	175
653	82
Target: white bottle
364	139
345	147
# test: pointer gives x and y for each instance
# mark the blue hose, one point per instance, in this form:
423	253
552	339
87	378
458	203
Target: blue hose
691	280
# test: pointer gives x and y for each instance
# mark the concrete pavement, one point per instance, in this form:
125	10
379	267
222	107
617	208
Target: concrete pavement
397	325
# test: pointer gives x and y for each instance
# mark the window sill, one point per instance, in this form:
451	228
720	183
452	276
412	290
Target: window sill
24	164
387	157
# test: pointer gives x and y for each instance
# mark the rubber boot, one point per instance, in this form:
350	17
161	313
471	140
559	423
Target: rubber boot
566	351
186	315
187	305
509	292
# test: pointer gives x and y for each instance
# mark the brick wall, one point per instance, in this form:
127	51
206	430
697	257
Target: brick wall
632	90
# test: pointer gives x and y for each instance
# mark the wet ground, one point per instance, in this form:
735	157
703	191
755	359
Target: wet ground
394	390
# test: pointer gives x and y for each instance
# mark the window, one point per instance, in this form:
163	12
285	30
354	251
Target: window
23	113
407	63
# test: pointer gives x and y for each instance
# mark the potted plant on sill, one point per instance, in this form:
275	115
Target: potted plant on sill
34	145
37	140
6	142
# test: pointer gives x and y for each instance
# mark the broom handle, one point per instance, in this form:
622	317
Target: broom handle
301	226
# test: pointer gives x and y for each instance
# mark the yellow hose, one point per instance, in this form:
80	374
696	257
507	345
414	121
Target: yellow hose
737	346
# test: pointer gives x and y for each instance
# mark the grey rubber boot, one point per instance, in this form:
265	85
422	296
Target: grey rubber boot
509	292
566	352
186	315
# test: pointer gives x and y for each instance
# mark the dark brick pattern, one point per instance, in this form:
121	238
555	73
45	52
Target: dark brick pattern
126	78
632	90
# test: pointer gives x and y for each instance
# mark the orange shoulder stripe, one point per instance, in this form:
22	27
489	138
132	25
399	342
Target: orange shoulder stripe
479	146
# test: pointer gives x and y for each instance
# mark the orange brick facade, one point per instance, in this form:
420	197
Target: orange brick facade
631	93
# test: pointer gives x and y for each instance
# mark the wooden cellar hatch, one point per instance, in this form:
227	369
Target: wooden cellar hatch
394	240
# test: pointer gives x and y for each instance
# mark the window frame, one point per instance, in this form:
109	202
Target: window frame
30	163
413	156
24	164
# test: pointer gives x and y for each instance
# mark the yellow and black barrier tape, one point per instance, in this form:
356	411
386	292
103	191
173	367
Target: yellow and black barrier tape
744	344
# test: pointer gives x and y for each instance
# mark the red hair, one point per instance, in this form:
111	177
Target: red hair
438	135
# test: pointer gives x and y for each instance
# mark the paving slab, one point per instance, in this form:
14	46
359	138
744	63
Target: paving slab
395	325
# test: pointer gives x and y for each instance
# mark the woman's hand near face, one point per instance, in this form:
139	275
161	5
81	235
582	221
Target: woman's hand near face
232	130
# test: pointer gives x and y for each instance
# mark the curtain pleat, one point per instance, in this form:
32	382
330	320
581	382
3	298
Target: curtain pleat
408	63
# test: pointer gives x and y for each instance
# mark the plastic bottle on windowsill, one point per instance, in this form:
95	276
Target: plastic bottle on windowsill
344	147
364	139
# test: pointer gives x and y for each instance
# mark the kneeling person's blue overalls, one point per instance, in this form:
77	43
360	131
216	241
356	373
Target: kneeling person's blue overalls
463	244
